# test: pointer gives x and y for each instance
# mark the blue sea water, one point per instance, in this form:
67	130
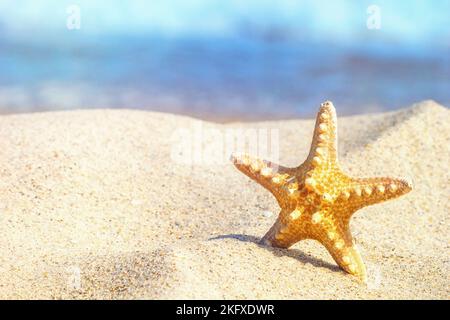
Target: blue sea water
223	60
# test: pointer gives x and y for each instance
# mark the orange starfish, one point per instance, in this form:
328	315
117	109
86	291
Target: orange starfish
317	198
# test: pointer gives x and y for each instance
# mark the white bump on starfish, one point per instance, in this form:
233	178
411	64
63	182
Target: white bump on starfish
346	259
352	268
331	235
316	217
339	244
345	195
321	138
393	187
266	172
327	197
316	161
367	190
277	179
245	160
310	183
320	151
295	214
255	166
292	187
323	127
324	116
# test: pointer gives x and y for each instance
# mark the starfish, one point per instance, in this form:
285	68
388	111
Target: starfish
317	199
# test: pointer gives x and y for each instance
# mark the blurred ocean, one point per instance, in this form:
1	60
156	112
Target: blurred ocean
223	60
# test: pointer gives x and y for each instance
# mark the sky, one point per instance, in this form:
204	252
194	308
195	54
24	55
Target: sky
425	22
225	58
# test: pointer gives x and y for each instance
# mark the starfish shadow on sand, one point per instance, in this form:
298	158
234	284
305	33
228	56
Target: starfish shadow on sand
279	252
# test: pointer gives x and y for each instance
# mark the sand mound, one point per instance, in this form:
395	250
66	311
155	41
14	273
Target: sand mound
99	204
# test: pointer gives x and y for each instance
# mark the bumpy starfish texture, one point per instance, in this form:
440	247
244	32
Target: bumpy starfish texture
317	198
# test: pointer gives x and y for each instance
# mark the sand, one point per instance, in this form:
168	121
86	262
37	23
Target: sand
95	204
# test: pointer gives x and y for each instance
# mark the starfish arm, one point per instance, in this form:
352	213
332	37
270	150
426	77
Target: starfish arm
348	258
324	143
277	179
284	232
338	241
368	191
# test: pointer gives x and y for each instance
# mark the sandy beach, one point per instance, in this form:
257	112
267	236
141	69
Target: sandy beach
94	205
